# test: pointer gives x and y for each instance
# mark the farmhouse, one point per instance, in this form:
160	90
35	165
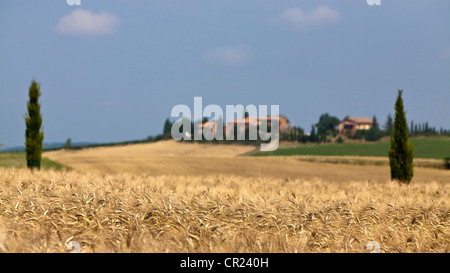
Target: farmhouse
283	123
351	124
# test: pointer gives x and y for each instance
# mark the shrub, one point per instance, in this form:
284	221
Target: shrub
447	163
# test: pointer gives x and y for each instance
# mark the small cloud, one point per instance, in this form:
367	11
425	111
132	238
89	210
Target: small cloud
299	19
86	23
231	55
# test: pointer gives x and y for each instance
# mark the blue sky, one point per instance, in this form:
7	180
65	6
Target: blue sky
112	70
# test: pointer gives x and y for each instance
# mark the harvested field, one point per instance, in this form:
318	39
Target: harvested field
173	158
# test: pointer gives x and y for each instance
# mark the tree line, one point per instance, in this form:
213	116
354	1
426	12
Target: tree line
423	129
326	130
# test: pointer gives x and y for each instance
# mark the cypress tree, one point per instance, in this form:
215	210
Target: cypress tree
401	153
389	125
375	123
167	128
34	135
313	136
299	134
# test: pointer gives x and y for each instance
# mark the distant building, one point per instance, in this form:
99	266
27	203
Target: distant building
351	124
283	123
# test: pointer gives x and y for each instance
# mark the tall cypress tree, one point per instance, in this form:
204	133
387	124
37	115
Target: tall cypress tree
401	153
389	126
167	128
312	135
34	135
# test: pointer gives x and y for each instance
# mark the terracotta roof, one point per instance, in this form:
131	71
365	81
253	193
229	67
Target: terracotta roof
253	119
208	123
248	120
360	120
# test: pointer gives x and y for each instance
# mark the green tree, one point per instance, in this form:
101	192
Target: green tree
359	134
389	125
374	133
447	163
299	134
246	115
68	144
326	126
34	135
205	120
167	128
375	122
312	135
401	153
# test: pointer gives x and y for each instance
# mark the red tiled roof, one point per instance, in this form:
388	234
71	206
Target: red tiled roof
360	120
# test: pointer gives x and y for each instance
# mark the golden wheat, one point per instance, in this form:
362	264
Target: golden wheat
45	210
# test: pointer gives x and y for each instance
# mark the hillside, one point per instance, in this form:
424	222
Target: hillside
175	158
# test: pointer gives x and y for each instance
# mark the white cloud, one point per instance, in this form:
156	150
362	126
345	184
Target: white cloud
84	22
231	55
297	18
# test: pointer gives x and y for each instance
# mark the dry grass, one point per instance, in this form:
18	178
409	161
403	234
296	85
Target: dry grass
42	211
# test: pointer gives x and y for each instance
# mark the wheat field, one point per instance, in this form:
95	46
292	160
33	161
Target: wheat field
235	212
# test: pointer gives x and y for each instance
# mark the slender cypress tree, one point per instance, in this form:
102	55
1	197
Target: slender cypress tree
167	128
34	135
389	125
401	153
312	135
375	123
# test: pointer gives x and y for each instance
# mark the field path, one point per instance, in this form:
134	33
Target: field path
174	158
